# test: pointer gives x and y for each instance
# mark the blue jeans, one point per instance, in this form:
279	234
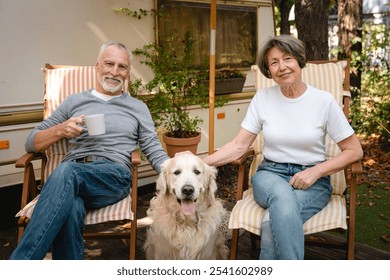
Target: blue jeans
58	218
287	208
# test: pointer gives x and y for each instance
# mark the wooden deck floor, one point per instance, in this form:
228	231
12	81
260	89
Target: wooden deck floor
118	249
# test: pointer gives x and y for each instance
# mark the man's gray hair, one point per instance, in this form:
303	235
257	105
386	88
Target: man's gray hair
118	45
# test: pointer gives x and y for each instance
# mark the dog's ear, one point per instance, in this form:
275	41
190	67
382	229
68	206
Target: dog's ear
211	185
161	184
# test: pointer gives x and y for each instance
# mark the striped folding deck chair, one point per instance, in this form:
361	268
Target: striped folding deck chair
60	82
331	76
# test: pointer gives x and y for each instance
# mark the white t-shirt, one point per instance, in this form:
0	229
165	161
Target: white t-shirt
294	129
102	96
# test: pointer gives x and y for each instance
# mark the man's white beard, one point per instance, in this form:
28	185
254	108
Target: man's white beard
109	87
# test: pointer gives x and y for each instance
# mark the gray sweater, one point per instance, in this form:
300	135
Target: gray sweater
128	124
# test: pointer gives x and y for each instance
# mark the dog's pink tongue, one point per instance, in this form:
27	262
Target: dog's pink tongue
188	207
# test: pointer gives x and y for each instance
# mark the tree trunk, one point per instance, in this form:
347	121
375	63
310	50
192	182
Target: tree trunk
284	8
311	19
350	22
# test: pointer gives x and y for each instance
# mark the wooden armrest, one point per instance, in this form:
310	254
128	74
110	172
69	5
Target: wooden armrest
242	180
244	157
136	157
356	167
29	190
25	160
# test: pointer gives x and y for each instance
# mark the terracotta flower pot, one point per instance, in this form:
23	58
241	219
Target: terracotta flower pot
176	145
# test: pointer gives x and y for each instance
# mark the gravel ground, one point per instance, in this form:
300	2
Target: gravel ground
227	181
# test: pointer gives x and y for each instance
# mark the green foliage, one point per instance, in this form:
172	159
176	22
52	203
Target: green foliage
371	110
228	73
176	86
136	14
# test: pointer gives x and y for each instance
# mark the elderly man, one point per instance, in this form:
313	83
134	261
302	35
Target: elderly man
95	172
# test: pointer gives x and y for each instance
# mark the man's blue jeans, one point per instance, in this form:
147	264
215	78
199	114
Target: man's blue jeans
58	218
287	208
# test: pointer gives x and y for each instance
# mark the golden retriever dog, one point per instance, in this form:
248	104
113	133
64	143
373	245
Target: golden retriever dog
186	215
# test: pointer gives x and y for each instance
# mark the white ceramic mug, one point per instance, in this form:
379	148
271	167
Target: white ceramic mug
95	124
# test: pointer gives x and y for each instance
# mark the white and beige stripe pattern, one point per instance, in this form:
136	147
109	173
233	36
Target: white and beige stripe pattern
247	213
60	82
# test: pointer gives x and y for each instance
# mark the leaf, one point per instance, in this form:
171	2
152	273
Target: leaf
383	216
386	238
369	162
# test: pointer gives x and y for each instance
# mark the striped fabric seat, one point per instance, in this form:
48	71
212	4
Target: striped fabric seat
247	213
60	82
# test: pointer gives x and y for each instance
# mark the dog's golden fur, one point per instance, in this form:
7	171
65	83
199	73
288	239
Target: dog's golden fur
186	215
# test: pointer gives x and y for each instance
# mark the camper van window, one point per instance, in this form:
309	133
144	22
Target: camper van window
235	33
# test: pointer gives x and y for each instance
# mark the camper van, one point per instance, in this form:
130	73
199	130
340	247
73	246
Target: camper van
70	32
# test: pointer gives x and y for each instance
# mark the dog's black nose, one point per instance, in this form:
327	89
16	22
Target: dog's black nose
187	190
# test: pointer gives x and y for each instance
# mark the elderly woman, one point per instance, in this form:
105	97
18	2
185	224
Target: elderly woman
292	182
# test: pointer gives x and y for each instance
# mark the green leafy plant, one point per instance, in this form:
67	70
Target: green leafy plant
371	109
176	86
136	14
228	73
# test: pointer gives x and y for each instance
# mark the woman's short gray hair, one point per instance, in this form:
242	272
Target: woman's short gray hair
286	44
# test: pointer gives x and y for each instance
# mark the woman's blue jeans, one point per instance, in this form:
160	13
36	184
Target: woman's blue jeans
287	208
58	218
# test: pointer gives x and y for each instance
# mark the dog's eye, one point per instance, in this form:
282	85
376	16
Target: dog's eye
177	172
196	171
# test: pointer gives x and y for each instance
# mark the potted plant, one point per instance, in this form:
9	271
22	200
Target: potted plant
176	86
228	80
